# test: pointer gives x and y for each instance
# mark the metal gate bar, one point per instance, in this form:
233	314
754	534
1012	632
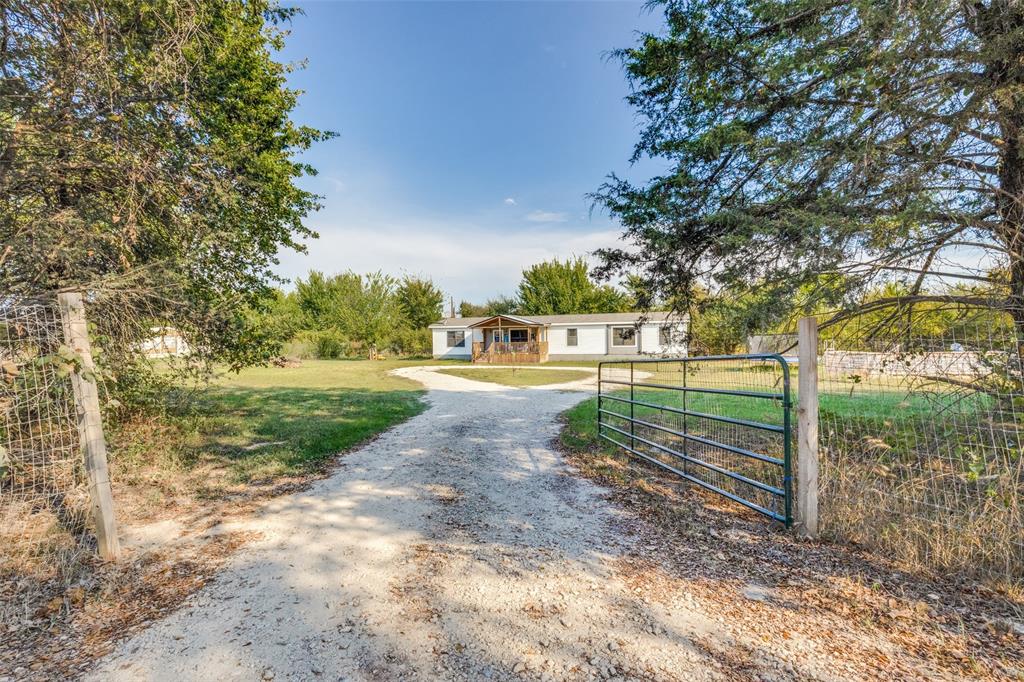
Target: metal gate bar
700	439
707	465
606	429
702	415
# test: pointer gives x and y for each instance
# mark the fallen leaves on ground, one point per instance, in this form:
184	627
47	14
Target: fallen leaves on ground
64	629
790	605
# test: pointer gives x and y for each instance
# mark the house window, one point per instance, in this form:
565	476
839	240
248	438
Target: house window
572	337
519	335
456	339
623	336
496	337
667	336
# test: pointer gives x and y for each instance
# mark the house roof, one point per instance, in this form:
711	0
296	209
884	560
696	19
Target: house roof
593	318
514	319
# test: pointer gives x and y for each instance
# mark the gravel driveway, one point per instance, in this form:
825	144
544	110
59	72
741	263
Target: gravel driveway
456	546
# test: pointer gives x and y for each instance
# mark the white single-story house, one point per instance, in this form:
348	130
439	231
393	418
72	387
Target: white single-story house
539	338
165	342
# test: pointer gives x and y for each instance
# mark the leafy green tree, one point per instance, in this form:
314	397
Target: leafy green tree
562	288
467	309
316	296
421	302
367	309
417	343
870	139
283	316
147	155
502	305
643	296
722	324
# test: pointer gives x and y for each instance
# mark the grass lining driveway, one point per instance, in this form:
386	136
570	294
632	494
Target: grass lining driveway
518	376
273	421
262	425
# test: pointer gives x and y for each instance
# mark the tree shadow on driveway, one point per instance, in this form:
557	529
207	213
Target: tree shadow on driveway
461	546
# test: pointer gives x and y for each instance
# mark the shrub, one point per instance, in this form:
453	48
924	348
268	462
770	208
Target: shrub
330	344
413	342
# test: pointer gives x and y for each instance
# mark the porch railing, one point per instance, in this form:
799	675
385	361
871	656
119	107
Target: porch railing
515	347
525	348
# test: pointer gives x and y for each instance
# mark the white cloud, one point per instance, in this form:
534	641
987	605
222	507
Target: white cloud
466	261
509	201
546	217
337	184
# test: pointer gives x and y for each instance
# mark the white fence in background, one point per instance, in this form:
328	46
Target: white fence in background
865	363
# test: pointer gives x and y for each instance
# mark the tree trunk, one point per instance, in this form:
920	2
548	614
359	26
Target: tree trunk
1010	202
994	25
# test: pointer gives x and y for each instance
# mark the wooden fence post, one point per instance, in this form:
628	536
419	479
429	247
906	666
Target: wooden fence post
807	429
90	425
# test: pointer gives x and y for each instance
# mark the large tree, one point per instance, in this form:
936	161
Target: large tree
501	305
876	140
421	301
564	287
147	154
316	297
366	308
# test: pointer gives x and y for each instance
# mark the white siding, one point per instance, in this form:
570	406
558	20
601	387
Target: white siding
441	349
591	340
650	339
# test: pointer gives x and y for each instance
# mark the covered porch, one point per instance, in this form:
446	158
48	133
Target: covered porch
510	339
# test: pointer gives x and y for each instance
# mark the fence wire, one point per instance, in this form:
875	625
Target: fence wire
43	497
921	451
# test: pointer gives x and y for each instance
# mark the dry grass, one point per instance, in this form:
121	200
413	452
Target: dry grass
915	516
60	634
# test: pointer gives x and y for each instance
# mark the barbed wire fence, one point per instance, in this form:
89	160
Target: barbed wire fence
45	520
920	439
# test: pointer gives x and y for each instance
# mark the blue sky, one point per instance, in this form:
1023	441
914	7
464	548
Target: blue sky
469	134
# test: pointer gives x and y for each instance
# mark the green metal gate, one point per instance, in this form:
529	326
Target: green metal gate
722	422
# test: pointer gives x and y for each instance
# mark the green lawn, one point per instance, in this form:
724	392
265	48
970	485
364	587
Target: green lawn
298	417
580	432
519	376
572	363
268	422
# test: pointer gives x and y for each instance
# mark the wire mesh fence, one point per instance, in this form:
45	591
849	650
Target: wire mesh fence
921	453
721	423
44	501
